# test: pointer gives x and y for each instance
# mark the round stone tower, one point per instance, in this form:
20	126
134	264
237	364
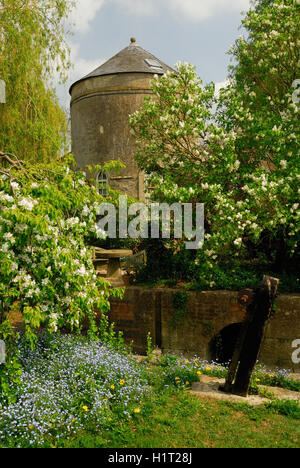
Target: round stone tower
101	103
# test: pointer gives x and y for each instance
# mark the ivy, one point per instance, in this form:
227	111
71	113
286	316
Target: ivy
180	301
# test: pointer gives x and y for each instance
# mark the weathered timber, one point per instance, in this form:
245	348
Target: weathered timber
245	298
260	303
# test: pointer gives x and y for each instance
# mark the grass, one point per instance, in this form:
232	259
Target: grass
181	420
75	393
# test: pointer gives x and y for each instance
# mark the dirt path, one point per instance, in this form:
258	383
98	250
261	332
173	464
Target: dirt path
208	387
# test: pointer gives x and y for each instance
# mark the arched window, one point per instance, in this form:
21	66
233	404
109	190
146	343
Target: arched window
102	183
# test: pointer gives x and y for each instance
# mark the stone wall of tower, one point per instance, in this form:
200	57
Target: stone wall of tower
100	109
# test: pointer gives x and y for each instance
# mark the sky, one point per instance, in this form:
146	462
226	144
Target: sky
196	31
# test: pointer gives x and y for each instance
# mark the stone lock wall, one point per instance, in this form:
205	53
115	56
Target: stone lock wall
208	313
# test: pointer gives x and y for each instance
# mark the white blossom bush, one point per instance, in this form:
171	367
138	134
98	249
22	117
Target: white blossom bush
242	162
47	217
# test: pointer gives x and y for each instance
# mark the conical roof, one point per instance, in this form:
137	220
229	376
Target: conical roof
132	59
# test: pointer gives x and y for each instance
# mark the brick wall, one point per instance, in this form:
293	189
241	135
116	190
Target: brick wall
151	310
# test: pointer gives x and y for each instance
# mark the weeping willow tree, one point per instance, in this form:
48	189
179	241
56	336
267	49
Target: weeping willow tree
32	51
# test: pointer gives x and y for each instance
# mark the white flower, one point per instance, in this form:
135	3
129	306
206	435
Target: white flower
72	221
20	227
100	233
9	237
14	266
81	271
15	186
237	164
283	164
27	203
5	247
238	242
85	211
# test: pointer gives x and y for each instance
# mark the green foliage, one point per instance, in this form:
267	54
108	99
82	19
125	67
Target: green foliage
289	408
69	384
259	106
207	329
242	163
11	370
87	394
32	48
112	339
276	379
48	216
149	345
180	301
178	372
177	419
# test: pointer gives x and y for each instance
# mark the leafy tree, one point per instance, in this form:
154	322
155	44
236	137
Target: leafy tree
244	162
47	218
32	48
48	214
260	105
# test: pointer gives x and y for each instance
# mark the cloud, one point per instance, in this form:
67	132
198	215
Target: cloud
138	7
84	13
81	67
191	10
200	10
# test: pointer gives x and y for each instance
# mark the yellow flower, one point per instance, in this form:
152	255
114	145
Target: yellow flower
31	427
257	380
122	382
112	387
137	410
199	372
187	361
73	420
187	383
208	369
85	408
